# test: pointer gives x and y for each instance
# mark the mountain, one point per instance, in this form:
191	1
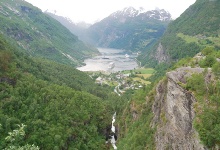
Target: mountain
61	107
40	35
79	29
129	29
181	110
195	29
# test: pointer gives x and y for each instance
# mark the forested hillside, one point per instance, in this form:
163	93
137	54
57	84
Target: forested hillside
61	106
195	29
40	35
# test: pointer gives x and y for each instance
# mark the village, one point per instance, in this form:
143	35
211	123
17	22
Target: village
123	80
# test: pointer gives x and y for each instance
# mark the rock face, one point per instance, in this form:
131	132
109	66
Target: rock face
161	55
174	114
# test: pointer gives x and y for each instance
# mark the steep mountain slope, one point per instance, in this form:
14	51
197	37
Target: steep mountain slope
62	107
79	29
174	112
129	29
195	29
180	112
39	34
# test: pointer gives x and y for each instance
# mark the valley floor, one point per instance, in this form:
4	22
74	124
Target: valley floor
124	80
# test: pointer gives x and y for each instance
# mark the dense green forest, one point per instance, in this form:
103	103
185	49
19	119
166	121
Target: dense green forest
136	131
54	106
60	106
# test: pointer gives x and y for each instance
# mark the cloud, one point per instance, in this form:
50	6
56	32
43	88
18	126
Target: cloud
90	11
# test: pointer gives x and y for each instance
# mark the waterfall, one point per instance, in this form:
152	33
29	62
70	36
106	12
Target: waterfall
113	130
112	135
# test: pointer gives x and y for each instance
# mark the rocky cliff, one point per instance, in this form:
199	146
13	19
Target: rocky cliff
161	55
174	113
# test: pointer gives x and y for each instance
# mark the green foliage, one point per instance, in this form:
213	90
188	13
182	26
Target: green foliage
15	137
207	120
216	69
207	51
137	133
195	29
202	16
208	127
209	61
55	113
4	60
40	35
178	48
145	70
183	63
61	106
161	69
26	147
196	83
16	134
201	40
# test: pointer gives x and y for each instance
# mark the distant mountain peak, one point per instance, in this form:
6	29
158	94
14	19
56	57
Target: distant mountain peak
54	12
141	9
51	11
159	14
130	12
126	12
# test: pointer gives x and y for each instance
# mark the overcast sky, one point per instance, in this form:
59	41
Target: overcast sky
91	11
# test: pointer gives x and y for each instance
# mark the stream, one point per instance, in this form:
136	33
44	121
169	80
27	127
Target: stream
112	135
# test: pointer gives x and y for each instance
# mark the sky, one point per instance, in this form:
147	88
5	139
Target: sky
91	11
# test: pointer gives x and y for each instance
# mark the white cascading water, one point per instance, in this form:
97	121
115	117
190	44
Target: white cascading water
113	130
112	139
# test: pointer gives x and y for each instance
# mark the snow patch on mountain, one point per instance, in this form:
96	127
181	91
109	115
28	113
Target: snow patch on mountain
128	12
159	14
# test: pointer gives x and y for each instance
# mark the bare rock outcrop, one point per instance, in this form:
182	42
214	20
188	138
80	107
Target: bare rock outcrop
174	114
161	55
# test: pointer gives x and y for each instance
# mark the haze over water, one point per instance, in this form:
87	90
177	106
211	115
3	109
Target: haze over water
116	56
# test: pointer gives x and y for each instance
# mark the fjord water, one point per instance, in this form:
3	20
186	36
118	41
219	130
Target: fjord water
108	56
